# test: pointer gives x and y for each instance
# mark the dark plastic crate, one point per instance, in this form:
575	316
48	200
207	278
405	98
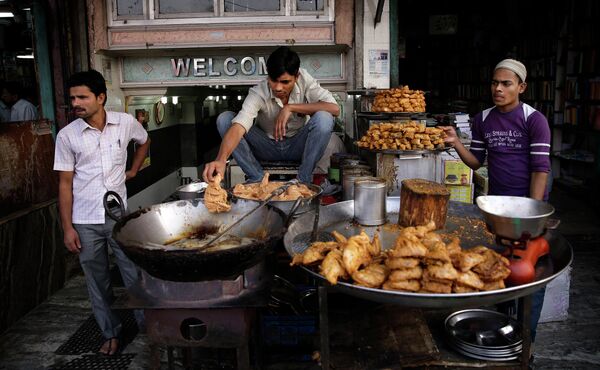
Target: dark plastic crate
288	331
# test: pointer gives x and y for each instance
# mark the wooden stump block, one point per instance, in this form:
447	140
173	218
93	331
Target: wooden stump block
422	201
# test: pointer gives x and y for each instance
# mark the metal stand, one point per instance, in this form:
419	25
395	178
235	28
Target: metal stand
524	315
324	326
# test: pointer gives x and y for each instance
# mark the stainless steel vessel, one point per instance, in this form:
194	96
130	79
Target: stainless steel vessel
516	218
348	184
192	190
339	217
369	201
145	237
286	206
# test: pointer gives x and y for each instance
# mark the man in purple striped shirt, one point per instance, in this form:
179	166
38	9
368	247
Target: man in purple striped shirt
514	137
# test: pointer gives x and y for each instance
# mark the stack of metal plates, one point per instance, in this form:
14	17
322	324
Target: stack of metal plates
484	335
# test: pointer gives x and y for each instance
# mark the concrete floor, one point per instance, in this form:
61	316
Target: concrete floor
570	344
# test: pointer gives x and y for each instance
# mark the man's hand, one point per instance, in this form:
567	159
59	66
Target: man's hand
281	122
451	137
71	239
130	174
213	167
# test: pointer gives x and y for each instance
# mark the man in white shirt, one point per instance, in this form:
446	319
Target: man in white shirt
20	109
91	154
287	117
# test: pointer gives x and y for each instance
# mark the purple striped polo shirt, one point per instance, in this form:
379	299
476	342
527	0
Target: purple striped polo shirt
516	143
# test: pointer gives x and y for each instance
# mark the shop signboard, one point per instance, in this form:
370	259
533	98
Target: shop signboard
220	69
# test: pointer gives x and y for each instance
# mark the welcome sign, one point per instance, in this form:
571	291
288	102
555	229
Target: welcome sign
201	67
220	69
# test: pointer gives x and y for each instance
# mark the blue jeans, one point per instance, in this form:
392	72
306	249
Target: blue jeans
307	146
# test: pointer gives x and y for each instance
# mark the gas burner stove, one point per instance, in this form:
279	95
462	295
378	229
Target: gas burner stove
211	314
247	290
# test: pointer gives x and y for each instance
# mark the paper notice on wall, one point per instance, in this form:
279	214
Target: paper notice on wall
379	62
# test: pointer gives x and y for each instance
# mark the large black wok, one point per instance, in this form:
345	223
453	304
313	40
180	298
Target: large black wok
144	235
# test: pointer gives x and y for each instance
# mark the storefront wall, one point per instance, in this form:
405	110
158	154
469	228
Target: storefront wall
152	56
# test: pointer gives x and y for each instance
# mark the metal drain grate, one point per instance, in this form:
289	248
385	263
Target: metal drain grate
88	337
99	362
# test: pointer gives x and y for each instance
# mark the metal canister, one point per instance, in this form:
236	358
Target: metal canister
349	180
355	168
369	201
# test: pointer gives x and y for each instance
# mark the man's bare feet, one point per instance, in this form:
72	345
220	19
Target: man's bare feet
110	347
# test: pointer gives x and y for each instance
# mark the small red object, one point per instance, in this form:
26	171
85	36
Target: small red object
523	260
319	178
328	199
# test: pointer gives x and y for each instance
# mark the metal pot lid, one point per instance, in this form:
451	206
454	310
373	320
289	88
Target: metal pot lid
483	329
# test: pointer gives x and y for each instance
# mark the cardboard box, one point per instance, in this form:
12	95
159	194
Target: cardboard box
461	193
481	180
457	173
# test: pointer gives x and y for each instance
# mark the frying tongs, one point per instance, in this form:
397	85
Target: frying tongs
280	190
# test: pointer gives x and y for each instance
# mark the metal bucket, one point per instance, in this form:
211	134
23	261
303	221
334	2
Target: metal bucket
369	201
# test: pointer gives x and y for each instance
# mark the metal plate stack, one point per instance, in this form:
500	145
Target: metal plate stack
484	335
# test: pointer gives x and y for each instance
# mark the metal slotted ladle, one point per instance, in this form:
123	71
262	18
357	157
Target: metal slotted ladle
314	235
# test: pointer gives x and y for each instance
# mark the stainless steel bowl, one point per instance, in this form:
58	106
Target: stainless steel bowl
192	191
516	218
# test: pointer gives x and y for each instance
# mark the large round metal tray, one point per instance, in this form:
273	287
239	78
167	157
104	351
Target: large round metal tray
391	115
460	222
406	152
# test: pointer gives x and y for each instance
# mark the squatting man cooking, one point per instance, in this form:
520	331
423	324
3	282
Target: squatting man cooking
286	117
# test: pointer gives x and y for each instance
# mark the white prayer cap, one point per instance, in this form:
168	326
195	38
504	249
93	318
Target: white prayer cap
515	66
